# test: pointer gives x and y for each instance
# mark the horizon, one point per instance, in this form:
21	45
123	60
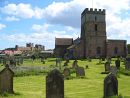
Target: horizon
39	22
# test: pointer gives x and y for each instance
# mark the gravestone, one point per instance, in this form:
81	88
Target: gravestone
58	62
54	84
117	63
110	86
21	60
103	58
75	64
6	80
107	66
100	60
114	70
80	71
66	72
66	63
109	60
127	64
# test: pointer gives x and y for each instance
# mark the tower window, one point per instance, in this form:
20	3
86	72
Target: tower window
95	18
95	27
116	50
98	50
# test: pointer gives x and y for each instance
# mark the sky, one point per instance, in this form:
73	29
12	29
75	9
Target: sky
41	21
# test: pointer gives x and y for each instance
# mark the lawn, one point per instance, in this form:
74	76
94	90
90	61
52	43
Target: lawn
89	87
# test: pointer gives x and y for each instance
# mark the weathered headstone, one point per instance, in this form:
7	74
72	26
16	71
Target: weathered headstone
6	80
75	64
127	64
66	72
113	69
100	60
66	63
55	84
107	66
58	62
110	86
109	60
117	63
80	71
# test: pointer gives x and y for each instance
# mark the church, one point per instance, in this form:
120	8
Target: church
93	41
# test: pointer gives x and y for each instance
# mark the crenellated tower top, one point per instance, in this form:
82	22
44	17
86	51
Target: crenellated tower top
93	11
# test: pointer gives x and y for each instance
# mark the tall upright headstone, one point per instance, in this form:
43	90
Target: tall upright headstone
6	80
110	86
55	84
75	64
127	64
107	66
117	63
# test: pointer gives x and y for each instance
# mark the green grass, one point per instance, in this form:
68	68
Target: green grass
89	87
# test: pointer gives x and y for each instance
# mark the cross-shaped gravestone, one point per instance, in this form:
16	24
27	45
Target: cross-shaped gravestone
55	84
110	86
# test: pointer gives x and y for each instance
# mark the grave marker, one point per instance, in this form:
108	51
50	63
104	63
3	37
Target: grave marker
110	86
6	80
55	84
80	71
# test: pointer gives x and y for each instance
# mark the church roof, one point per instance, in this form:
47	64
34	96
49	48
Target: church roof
63	41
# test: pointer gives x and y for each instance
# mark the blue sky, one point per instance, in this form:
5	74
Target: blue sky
40	21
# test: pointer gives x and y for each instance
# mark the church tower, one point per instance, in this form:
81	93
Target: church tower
93	32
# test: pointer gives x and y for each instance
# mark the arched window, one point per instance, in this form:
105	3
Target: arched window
116	50
98	50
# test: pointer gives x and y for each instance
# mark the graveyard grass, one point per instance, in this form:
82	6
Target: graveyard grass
89	87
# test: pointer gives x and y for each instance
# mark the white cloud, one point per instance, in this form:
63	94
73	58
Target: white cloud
20	10
12	18
2	26
68	15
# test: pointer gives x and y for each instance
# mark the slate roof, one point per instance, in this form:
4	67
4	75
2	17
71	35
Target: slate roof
63	41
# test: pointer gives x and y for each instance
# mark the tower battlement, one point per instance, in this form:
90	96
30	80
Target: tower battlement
93	11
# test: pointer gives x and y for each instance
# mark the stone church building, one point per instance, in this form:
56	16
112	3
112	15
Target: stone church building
93	41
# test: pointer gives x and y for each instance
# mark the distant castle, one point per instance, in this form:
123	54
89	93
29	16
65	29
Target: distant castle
93	41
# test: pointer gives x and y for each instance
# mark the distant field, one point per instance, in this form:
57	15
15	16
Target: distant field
89	87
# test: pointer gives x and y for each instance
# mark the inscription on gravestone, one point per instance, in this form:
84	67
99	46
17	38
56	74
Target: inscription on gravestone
110	86
55	84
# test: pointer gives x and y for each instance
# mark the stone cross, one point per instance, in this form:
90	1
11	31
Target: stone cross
110	86
54	84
